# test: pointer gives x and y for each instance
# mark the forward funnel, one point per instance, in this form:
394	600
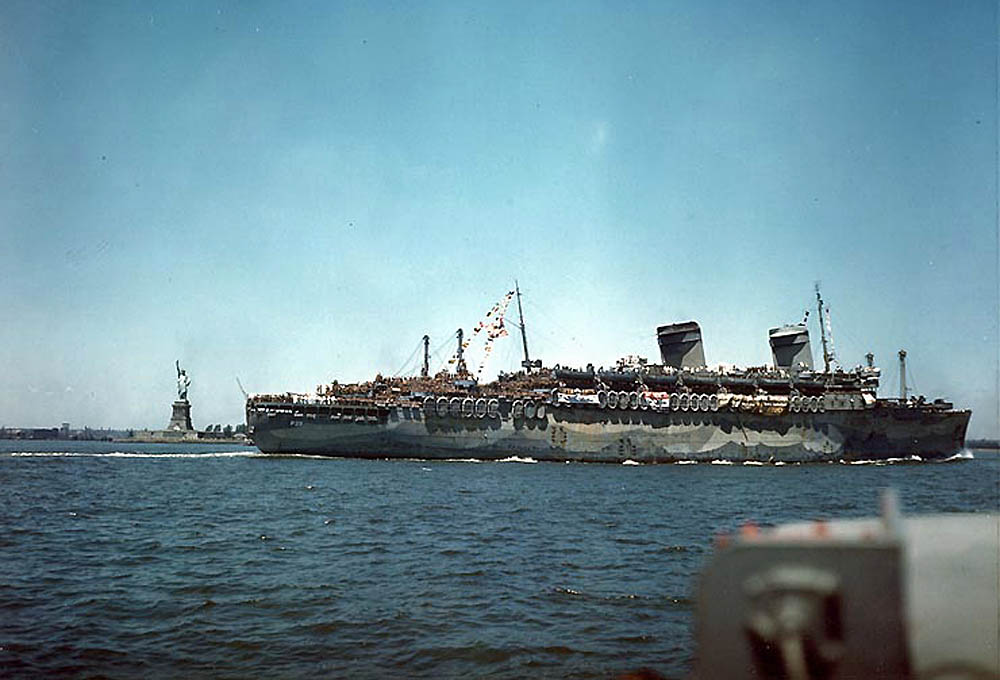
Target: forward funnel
790	347
680	345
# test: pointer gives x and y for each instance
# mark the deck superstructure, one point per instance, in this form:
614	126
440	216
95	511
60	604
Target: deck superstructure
675	410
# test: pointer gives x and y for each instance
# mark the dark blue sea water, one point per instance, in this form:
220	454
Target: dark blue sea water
136	561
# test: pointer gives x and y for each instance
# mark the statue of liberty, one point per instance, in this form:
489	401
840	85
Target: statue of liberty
183	382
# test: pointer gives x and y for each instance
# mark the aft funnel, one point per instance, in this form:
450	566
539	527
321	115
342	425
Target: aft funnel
680	345
790	346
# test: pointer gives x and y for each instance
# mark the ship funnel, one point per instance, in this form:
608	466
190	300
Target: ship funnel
790	346
680	345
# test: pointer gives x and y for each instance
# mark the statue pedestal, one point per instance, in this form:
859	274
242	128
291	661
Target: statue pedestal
181	418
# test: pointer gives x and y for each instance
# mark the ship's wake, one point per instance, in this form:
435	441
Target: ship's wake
135	454
510	459
907	460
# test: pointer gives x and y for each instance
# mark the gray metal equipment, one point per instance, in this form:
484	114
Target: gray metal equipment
890	598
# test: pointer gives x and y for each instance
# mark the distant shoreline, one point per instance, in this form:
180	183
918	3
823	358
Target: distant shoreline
139	440
983	444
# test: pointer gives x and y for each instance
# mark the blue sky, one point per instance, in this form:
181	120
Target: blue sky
296	192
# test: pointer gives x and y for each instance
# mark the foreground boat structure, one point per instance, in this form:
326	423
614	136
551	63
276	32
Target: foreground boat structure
891	597
677	410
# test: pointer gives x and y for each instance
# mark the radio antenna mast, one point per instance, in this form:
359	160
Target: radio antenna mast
524	336
822	330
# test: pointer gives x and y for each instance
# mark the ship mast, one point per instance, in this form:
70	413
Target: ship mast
524	337
822	330
425	369
460	368
902	375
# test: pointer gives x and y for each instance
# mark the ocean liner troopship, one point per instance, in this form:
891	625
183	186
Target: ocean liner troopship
678	410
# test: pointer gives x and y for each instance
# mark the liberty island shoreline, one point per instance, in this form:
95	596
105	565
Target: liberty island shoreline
179	429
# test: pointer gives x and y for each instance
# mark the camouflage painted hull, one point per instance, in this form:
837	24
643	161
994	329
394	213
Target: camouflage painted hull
592	434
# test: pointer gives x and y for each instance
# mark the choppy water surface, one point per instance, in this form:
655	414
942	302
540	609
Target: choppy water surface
150	560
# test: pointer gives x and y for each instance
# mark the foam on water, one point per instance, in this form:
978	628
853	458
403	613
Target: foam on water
899	461
135	454
307	456
909	459
630	462
510	459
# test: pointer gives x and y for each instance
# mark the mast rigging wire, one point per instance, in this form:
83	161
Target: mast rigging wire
407	362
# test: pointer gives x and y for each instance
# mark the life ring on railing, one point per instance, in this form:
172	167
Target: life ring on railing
643	401
612	399
517	409
713	403
813	405
442	407
675	402
685	401
602	398
793	404
529	409
540	411
481	408
821	404
703	403
455	406
493	408
468	407
633	400
623	400
428	405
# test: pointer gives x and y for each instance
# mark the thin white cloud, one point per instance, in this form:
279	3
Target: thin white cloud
599	137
